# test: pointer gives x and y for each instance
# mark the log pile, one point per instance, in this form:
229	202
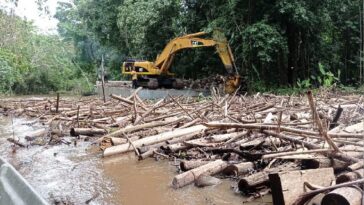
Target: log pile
254	140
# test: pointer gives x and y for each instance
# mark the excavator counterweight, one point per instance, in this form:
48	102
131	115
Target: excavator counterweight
156	74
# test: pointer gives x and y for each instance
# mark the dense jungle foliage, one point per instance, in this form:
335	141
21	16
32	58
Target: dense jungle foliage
276	43
33	63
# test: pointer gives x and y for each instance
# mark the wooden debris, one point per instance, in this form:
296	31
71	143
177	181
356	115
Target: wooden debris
286	186
344	196
190	176
245	137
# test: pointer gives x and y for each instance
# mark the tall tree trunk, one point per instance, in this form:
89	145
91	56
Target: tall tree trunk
291	32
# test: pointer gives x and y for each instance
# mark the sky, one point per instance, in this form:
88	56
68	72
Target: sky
28	9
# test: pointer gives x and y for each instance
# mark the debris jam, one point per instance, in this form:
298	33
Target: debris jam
296	148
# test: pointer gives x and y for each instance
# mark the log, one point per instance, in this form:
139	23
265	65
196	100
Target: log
147	154
339	156
16	142
286	186
308	195
334	123
57	104
122	99
259	126
189	177
324	162
148	112
37	133
154	139
262	178
129	129
343	196
87	131
350	176
176	147
238	169
357	165
283	154
206	180
186	165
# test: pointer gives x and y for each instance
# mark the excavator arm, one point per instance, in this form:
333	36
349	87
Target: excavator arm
164	60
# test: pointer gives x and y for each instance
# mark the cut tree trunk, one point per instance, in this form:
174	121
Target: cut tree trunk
189	177
120	132
154	139
343	196
238	169
262	178
324	162
350	176
186	165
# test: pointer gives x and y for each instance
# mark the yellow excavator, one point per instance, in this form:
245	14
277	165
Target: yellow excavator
156	74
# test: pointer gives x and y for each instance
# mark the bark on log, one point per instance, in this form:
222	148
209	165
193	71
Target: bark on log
87	131
154	139
343	196
189	177
238	169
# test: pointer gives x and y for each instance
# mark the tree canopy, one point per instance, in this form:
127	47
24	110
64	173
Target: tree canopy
275	42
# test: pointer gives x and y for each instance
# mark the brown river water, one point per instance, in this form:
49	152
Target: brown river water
77	173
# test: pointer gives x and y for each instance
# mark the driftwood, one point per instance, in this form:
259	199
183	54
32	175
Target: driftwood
87	131
343	196
154	139
350	176
248	136
186	165
239	169
190	176
321	126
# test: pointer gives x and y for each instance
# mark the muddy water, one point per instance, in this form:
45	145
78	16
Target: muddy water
76	173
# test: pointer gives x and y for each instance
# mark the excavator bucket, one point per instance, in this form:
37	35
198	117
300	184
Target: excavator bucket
232	83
